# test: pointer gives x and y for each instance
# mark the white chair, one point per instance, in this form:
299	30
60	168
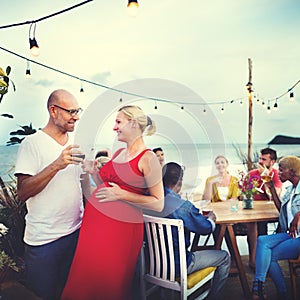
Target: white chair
160	269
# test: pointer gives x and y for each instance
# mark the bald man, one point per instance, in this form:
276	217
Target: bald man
49	182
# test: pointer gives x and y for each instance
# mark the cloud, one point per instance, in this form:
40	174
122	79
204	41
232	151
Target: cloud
101	77
44	82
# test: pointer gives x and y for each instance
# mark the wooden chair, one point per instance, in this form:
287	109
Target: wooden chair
294	265
161	269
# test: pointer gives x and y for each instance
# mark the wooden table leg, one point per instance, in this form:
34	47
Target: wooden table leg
221	236
237	257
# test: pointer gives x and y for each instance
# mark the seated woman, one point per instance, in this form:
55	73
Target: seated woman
222	187
286	244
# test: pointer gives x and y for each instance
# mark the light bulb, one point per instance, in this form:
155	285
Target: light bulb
34	47
133	7
27	74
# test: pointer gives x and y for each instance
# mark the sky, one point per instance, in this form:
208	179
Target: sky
190	53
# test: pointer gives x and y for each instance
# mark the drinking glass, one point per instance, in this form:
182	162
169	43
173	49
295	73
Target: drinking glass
234	204
265	177
205	207
88	163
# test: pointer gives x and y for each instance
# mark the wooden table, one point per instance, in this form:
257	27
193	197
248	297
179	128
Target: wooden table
262	211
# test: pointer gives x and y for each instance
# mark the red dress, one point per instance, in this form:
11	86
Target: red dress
110	239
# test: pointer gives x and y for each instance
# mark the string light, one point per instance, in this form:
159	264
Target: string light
81	88
204	109
46	17
34	47
292	98
275	106
138	95
222	109
155	106
28	73
132	7
269	108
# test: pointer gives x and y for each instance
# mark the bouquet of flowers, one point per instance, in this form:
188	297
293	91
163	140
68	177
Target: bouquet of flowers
248	184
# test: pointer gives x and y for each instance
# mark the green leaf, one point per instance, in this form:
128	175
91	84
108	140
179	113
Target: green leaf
8	69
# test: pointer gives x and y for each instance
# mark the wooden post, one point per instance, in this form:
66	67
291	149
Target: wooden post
250	116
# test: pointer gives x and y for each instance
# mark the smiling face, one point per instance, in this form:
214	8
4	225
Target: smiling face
221	164
123	127
59	107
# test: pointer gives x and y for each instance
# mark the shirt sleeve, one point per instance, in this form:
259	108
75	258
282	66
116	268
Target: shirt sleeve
233	188
27	159
193	220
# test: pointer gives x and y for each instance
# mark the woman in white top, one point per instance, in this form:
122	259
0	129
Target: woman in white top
222	186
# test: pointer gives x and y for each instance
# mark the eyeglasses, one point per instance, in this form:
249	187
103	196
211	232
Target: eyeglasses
72	112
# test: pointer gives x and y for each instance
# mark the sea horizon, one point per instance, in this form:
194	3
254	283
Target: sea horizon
198	159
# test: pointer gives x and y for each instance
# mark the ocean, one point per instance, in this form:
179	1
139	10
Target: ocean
197	159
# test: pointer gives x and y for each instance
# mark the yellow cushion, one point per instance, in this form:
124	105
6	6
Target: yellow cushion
197	276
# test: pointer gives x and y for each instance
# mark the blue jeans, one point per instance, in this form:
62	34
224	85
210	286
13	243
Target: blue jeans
270	249
47	266
212	258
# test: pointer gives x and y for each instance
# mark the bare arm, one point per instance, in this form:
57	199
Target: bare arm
151	169
29	186
274	194
294	226
208	191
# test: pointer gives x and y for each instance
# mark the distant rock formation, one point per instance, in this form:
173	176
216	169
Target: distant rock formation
284	140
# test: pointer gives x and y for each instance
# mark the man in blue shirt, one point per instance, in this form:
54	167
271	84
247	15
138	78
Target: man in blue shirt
177	208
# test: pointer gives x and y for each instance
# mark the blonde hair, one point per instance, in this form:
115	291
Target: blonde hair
221	156
133	112
291	162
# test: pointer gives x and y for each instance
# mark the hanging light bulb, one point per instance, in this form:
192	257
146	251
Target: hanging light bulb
133	7
263	103
275	106
28	73
241	103
269	108
155	106
222	109
34	48
121	99
292	98
81	88
204	109
182	107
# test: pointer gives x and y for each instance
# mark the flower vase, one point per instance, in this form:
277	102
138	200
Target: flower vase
248	203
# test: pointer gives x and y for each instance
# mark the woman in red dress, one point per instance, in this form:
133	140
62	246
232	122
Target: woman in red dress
112	230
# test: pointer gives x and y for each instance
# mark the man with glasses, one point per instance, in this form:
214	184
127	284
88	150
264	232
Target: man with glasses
49	182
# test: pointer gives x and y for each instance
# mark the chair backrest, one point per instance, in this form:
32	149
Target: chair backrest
162	251
162	268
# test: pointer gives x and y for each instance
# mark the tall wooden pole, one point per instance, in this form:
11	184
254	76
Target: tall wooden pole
250	116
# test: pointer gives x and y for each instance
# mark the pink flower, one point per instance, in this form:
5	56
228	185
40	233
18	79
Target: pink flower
247	184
